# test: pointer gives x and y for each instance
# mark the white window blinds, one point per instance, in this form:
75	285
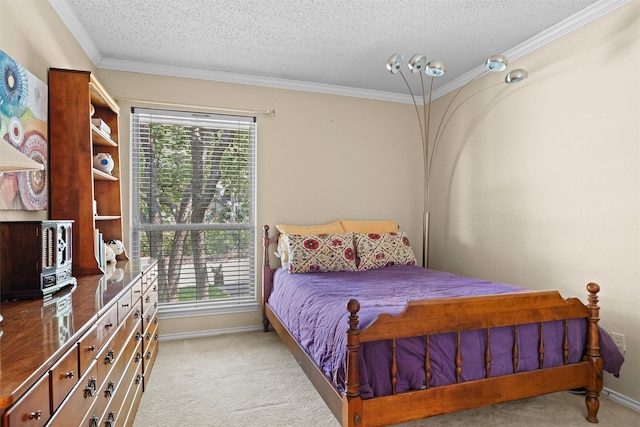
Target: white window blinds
193	206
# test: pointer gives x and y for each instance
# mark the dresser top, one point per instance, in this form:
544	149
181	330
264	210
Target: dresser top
35	333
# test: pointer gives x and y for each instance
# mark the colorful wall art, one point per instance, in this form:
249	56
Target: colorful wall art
23	126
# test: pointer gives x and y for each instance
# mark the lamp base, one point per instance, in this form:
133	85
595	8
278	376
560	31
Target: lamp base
425	240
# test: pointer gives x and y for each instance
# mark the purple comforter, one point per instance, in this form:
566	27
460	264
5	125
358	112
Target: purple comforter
313	309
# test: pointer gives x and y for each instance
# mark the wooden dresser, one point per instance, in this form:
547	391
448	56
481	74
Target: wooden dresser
83	357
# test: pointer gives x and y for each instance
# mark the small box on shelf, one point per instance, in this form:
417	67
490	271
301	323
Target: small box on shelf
100	124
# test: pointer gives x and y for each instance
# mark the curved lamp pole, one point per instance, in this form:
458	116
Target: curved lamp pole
433	69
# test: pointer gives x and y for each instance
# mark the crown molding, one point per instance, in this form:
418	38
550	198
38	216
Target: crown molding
588	14
69	18
570	24
244	79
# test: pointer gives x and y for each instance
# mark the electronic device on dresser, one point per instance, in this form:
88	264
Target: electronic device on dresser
35	260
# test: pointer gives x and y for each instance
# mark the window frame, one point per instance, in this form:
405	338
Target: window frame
247	303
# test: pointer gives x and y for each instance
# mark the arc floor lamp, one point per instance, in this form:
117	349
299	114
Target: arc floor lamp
417	65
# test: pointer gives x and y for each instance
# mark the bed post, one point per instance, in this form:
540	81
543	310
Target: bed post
267	277
352	405
593	355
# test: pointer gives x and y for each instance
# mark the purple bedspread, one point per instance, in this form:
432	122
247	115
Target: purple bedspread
313	309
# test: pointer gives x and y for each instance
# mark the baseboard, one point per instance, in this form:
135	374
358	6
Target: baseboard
202	334
622	399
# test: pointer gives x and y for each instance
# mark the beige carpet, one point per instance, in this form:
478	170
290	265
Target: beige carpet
251	379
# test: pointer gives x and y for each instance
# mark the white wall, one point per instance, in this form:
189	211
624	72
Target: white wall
537	184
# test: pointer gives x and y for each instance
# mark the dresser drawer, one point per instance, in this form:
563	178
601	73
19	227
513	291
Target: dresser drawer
150	277
32	409
137	290
124	305
150	300
64	375
106	325
88	347
80	400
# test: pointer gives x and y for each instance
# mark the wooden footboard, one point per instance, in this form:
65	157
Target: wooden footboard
454	315
474	313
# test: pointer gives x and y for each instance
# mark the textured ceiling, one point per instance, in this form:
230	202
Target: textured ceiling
342	43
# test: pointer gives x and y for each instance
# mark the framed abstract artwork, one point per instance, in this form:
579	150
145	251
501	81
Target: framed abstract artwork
23	127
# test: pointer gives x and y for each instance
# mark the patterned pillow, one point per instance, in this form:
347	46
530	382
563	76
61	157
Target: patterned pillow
321	253
307	230
383	250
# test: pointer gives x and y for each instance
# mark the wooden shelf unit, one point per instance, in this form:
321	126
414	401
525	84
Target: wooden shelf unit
75	183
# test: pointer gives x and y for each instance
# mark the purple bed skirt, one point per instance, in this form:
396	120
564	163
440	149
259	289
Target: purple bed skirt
313	308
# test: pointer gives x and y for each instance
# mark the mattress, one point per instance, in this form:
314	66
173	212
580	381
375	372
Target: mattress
313	308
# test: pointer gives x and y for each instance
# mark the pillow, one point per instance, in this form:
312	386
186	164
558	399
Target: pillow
304	230
320	253
308	230
369	226
383	250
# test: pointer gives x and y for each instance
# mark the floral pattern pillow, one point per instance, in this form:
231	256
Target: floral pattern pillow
375	250
321	253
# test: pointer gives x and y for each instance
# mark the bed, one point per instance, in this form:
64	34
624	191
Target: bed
465	343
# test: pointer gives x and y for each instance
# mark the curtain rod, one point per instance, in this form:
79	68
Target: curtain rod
237	111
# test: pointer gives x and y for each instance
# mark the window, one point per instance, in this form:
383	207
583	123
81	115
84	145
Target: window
193	208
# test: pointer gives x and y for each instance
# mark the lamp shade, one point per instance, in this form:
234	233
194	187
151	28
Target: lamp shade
394	63
515	76
12	160
496	63
435	68
417	62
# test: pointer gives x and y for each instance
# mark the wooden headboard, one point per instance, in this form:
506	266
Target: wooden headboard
267	272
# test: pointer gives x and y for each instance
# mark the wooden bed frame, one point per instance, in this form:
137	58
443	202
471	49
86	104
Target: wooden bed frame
452	315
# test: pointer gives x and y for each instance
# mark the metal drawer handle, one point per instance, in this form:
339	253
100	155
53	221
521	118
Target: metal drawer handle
111	419
35	415
138	357
108	358
125	305
108	325
148	355
93	421
138	336
108	392
91	348
136	315
138	379
90	389
69	374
